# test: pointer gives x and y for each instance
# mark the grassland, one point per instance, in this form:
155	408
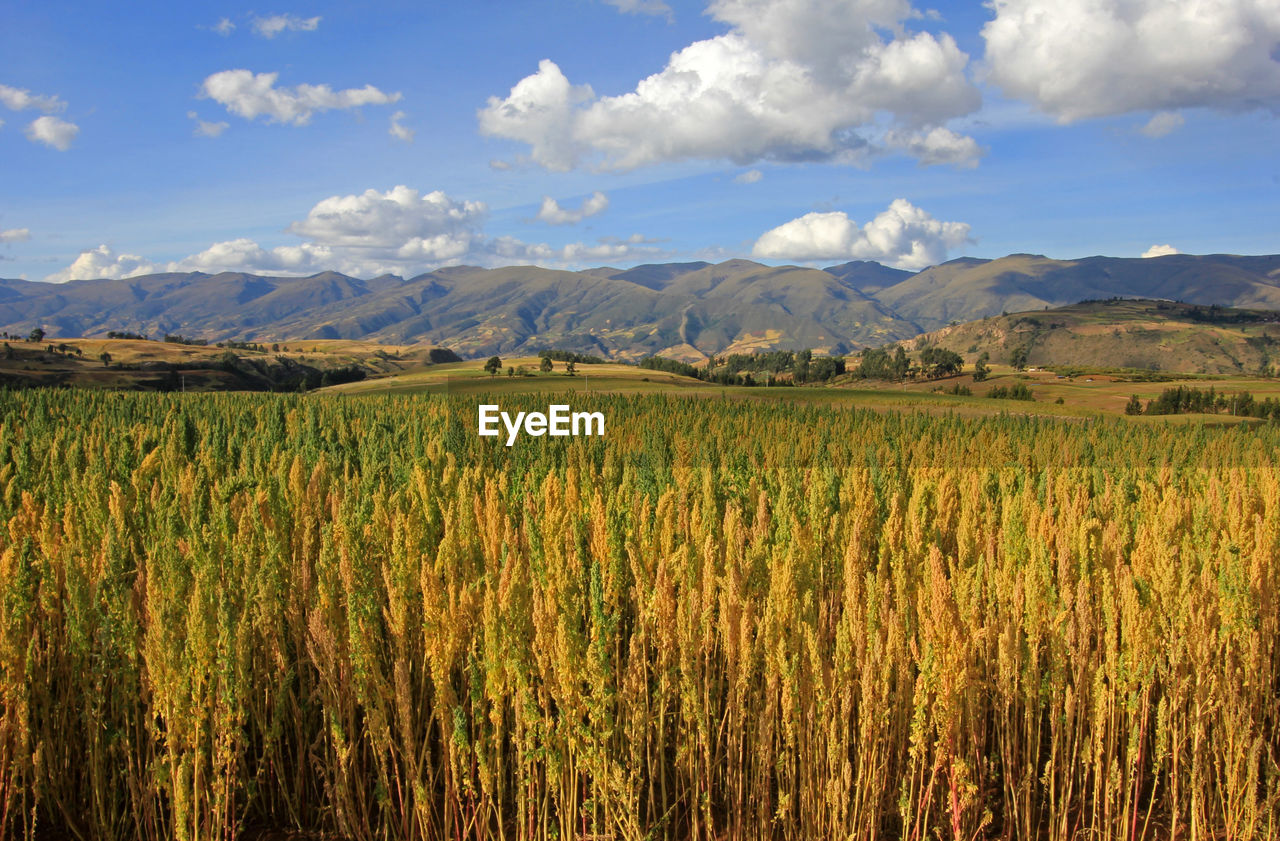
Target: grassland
469	377
170	366
1083	395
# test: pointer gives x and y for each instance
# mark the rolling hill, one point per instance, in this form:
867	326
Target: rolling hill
686	311
1141	334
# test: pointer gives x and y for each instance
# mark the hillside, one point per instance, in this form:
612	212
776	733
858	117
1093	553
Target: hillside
1143	334
686	311
967	289
139	365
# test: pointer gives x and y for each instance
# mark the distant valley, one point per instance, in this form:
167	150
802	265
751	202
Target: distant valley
686	311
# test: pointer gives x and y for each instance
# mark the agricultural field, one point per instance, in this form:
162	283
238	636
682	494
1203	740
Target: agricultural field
522	375
344	615
1083	394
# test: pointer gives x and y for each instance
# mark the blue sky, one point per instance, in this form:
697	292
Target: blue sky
398	137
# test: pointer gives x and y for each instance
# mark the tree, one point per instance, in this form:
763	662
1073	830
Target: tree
493	366
980	368
940	362
1018	358
106	359
545	365
900	364
570	367
511	370
800	373
1134	406
439	355
37	335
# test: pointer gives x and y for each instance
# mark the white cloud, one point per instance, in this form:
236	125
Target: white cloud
20	100
205	129
939	145
751	176
791	80
540	111
400	231
103	262
15	235
49	130
398	131
1163	123
903	235
412	257
1077	59
506	250
399	220
642	7
270	27
246	255
1160	251
52	131
252	95
553	214
224	27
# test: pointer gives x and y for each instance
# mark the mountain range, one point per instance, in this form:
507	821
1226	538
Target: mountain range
682	310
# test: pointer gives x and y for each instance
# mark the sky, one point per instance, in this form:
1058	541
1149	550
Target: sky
398	137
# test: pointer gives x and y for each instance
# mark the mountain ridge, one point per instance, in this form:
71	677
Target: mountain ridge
685	310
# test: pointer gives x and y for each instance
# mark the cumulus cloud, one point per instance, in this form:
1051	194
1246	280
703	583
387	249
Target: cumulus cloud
15	235
224	27
903	235
642	7
52	131
270	27
506	250
400	222
540	111
1076	59
553	214
791	80
939	145
20	100
245	255
308	258
399	231
1163	123
751	176
1160	251
398	131
103	263
252	95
